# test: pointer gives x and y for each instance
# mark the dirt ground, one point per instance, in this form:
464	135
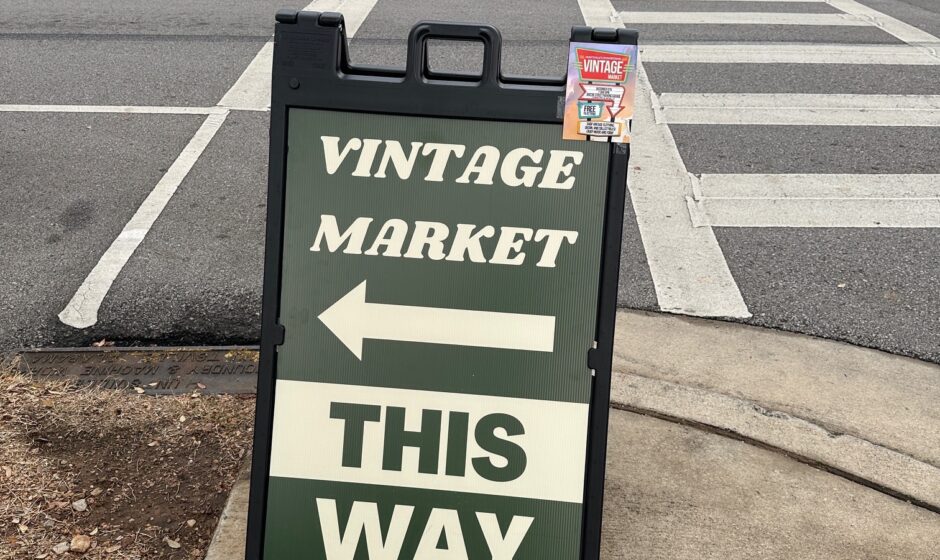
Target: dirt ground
93	474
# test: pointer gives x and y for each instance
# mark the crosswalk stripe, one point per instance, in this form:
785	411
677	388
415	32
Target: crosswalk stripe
903	31
743	18
799	109
787	53
816	213
688	269
770	1
815	200
816	186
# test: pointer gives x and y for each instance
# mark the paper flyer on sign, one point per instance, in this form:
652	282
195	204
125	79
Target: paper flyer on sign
599	97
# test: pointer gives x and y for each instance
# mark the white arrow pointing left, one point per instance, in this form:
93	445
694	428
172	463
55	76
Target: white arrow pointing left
352	320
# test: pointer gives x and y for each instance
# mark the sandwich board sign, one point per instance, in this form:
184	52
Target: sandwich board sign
439	297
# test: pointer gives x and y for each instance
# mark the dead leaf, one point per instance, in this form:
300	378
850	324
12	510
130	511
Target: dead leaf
138	390
61	548
102	343
113	548
80	544
171	543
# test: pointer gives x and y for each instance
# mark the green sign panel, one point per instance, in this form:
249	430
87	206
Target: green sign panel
438	296
437	284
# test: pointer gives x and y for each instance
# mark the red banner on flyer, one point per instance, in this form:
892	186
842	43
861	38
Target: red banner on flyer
602	66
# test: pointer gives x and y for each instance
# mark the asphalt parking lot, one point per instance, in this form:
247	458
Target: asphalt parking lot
115	116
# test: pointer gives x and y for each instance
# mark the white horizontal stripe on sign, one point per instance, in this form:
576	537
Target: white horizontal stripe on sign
741	18
799	109
308	444
787	53
128	109
805	185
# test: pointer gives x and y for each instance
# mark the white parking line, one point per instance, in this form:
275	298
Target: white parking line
799	109
82	310
252	90
787	53
903	31
126	109
688	269
743	18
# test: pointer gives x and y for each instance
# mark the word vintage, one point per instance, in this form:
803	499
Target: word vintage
421	239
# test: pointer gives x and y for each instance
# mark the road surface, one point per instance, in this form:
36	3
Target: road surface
786	171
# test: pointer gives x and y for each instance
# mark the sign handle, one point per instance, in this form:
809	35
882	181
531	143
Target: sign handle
417	66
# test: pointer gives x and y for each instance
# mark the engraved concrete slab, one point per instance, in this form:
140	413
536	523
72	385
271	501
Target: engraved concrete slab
158	371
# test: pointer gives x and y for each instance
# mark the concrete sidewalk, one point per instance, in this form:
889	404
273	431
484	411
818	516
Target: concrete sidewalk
733	442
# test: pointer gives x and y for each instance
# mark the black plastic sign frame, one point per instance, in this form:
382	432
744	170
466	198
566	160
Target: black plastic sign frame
312	70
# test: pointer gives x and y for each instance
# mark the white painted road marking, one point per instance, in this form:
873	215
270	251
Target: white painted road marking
688	269
82	310
126	109
820	212
799	109
811	185
759	1
352	319
787	53
903	31
809	200
252	91
743	18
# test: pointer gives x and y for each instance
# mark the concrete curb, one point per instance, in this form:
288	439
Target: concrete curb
228	542
858	460
885	399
